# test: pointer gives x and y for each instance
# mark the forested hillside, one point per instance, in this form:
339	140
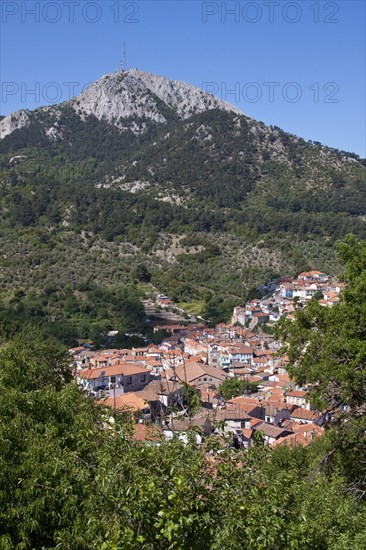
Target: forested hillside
212	202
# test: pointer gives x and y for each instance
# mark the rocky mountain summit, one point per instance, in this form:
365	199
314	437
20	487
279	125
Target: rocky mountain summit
139	94
124	96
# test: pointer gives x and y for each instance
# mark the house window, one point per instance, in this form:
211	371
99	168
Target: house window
205	379
129	380
113	379
143	378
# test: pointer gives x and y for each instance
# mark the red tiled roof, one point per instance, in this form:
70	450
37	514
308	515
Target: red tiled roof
126	402
296	393
304	414
271	431
126	369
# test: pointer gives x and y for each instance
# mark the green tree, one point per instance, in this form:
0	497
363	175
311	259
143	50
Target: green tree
49	432
232	387
141	273
327	350
318	295
32	361
327	346
191	399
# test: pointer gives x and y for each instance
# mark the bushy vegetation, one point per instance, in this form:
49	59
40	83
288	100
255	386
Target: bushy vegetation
232	387
327	350
84	313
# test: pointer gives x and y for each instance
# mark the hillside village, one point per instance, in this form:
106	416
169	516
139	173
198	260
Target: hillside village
155	384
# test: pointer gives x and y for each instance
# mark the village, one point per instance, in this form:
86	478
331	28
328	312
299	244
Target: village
228	380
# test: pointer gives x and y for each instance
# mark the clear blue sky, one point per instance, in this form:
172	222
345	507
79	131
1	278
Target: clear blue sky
270	52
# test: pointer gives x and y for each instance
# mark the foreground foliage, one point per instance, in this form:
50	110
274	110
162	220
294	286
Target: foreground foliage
72	477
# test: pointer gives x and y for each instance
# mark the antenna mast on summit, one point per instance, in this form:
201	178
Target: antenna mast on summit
123	61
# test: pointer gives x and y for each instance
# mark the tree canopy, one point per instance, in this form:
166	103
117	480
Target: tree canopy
327	346
327	350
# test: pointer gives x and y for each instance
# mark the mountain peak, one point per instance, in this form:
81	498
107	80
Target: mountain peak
139	94
131	94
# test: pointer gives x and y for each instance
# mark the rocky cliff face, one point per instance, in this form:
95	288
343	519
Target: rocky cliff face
14	121
132	94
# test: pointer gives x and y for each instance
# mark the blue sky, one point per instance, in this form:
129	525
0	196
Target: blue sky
297	65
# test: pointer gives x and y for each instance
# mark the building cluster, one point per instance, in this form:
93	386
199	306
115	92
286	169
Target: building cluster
152	383
285	295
